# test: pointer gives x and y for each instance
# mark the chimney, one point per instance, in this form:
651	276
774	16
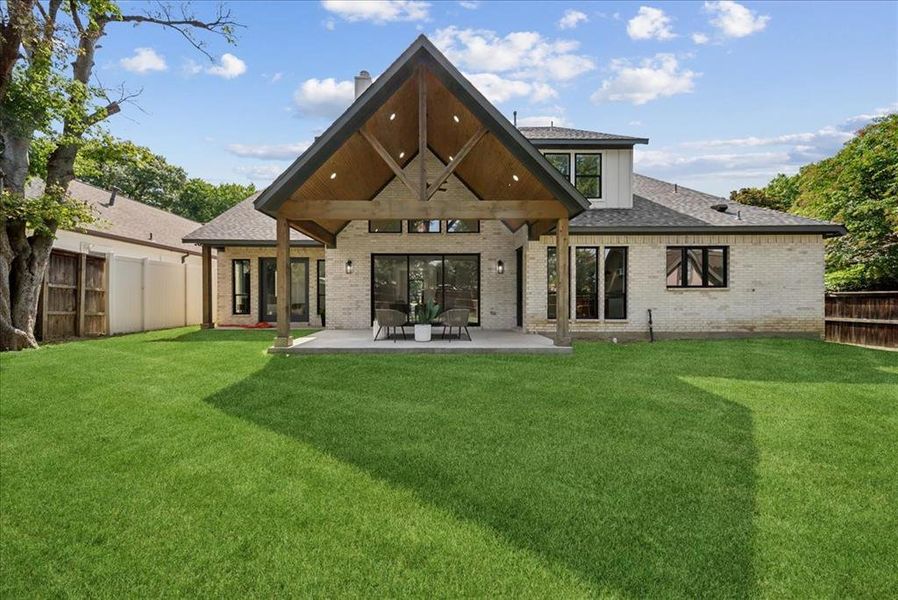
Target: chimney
362	81
112	196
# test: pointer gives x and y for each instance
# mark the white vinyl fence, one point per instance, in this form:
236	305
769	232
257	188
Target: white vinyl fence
149	294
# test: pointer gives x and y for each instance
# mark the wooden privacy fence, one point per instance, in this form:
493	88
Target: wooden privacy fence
866	318
73	300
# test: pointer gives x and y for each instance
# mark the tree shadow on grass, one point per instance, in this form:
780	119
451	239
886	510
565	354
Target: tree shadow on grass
640	482
232	335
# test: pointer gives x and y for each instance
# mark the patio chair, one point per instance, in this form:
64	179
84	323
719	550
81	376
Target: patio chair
455	317
390	319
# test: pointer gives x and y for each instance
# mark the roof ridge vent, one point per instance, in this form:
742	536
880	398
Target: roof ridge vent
721	208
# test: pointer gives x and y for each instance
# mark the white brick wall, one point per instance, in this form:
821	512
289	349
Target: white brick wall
775	286
225	282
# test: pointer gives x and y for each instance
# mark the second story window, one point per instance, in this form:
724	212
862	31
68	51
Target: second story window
588	174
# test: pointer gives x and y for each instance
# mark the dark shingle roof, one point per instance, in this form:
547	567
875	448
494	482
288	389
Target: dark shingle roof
127	219
662	206
539	134
242	224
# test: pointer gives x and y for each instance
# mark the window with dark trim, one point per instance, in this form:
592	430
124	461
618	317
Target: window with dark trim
561	161
321	288
587	292
588	174
551	283
463	226
385	226
697	266
424	226
240	278
615	283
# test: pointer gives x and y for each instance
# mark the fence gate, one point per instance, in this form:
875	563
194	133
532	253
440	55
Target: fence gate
73	299
865	318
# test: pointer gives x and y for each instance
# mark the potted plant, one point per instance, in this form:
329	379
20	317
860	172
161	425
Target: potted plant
424	316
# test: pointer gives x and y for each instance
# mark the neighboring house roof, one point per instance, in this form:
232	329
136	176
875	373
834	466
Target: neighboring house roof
243	225
421	51
662	207
126	219
564	136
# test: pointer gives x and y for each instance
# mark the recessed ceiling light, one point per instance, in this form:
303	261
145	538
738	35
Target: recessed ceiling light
392	116
515	177
334	175
455	118
401	154
450	159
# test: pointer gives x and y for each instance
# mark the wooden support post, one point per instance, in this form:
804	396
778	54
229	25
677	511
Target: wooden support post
283	339
207	288
562	248
82	284
422	135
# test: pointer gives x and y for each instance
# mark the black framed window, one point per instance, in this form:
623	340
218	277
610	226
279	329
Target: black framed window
588	174
561	161
240	278
587	293
551	283
404	281
385	226
463	226
697	266
424	226
321	288
615	283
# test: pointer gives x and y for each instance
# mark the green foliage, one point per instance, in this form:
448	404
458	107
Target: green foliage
107	162
427	313
46	212
857	187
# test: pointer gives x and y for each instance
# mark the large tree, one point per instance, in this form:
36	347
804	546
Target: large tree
47	53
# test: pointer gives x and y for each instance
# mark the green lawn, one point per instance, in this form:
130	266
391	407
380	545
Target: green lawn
192	463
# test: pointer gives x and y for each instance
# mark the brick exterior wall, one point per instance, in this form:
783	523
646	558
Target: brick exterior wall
225	282
775	285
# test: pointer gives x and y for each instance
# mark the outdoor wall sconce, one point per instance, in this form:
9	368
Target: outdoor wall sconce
500	267
349	267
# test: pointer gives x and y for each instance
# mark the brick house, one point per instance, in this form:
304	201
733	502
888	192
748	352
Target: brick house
422	191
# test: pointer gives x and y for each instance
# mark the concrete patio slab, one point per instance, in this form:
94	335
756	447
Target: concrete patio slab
359	341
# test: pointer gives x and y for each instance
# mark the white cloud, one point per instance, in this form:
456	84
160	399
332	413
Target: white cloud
229	67
650	23
635	123
521	54
378	11
324	97
572	18
263	174
274	77
734	20
498	89
191	68
330	24
268	151
543	121
651	79
469	4
700	38
144	61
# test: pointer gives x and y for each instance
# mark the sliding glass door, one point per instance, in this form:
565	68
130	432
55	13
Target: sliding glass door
404	281
299	289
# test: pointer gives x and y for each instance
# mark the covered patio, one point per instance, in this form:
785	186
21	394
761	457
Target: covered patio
361	341
372	165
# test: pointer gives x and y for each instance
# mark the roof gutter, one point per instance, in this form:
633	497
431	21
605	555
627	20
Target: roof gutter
251	243
827	231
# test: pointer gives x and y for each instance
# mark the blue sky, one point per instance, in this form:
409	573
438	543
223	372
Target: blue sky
728	93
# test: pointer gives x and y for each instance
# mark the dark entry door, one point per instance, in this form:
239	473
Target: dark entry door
299	289
519	291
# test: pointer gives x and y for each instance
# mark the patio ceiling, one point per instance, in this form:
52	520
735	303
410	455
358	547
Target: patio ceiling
339	178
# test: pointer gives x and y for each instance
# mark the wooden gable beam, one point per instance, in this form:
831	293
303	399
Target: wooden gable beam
422	134
450	168
411	208
316	232
394	166
537	229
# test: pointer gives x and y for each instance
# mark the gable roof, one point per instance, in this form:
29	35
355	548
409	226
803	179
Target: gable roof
421	51
565	136
243	225
662	207
126	219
